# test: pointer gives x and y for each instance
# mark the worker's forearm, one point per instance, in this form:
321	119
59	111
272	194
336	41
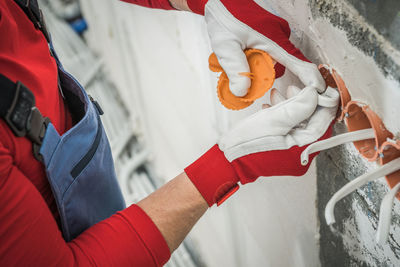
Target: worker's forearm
180	4
175	208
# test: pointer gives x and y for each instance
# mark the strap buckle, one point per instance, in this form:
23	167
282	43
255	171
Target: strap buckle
18	113
25	119
97	105
37	126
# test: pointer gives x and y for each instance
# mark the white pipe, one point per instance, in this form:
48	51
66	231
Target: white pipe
385	215
336	141
137	181
130	167
185	257
172	262
91	73
118	145
384	170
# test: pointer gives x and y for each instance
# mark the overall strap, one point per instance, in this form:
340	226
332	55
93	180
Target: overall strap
17	108
32	10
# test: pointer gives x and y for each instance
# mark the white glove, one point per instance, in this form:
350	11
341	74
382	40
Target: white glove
236	25
268	143
297	121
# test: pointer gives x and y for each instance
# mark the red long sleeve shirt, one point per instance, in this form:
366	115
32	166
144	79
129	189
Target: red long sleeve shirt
29	232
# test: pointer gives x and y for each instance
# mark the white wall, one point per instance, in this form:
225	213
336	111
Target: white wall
159	60
325	43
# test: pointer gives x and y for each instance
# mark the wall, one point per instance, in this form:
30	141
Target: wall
372	27
351	241
159	59
360	40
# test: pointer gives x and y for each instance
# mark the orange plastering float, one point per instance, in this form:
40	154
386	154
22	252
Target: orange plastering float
358	117
333	79
262	75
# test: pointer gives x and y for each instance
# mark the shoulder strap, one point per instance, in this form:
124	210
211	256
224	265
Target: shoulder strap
32	10
17	102
17	108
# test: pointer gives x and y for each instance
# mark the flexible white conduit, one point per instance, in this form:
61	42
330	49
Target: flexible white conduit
385	215
384	170
336	141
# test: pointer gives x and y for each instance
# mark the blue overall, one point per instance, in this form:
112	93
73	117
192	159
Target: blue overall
79	165
80	168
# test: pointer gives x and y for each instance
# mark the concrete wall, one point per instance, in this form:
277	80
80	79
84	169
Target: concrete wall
351	241
360	40
373	27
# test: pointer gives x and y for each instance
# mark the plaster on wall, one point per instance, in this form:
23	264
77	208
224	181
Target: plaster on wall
360	33
366	56
334	32
383	15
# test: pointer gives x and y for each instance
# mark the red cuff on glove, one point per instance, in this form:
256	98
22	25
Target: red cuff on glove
213	176
217	179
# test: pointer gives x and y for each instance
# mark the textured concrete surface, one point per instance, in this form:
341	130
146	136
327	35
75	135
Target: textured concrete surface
384	15
351	240
374	29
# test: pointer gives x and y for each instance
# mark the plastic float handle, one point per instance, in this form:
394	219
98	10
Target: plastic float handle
336	141
384	170
385	215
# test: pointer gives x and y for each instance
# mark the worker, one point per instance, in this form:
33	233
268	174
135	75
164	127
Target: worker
60	204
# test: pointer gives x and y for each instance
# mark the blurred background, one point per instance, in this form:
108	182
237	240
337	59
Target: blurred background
149	71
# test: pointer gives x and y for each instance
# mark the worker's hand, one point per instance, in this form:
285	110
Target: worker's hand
268	143
236	25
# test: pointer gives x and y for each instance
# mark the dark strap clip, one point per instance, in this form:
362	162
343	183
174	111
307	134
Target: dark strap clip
25	119
97	105
21	106
37	126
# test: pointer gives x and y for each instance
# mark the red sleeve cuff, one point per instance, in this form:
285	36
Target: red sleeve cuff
161	4
213	176
150	235
197	6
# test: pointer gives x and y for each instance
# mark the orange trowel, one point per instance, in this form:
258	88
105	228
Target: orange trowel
262	75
